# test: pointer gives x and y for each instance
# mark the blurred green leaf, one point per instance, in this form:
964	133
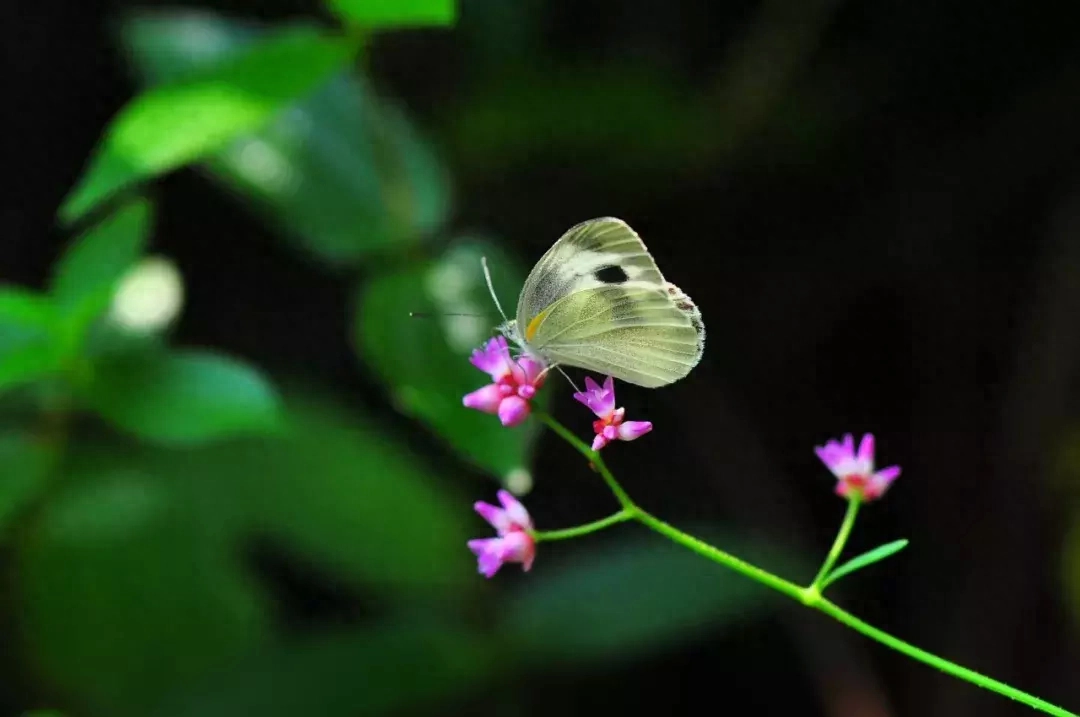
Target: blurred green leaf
338	491
24	465
612	119
172	125
376	14
182	397
424	361
123	594
381	670
86	277
866	559
27	337
342	172
624	600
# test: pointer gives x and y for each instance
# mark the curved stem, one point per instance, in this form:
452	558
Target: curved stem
546	535
593	456
809	596
950	668
839	543
719	556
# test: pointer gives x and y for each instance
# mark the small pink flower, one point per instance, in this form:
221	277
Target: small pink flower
515	382
611	426
514	543
854	470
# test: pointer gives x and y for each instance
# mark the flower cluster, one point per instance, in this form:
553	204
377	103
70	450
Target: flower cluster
514	382
854	470
610	425
514	543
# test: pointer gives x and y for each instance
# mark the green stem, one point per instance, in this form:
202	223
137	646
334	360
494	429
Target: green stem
950	668
546	535
809	596
593	457
719	556
839	543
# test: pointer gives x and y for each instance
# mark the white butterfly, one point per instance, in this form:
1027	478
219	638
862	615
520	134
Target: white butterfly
597	301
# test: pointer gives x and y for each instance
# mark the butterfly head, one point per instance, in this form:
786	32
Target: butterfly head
510	330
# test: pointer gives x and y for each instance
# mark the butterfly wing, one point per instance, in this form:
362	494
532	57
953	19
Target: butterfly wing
596	300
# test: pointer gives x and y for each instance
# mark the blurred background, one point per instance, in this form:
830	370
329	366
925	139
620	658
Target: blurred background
236	478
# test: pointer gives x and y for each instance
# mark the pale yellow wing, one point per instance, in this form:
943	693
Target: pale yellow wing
637	332
591	254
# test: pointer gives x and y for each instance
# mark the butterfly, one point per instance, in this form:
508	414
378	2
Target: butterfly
597	301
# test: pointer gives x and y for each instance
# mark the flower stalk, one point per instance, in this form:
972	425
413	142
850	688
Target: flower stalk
838	545
515	382
810	595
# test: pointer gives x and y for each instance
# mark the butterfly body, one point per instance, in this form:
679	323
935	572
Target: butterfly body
596	300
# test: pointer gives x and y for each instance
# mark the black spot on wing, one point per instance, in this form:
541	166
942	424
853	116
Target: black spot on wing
611	274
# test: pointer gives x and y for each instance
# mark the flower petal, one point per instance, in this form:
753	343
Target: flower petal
489	555
486	399
600	400
500	519
865	456
888	474
831	455
513	410
518	547
514	510
493	359
607	396
630	430
839	457
599	442
880	482
535	370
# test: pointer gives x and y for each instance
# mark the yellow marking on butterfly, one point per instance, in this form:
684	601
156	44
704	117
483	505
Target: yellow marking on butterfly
530	330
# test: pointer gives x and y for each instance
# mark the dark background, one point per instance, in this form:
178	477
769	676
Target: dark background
874	204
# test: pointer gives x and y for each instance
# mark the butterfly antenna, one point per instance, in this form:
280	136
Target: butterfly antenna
568	379
491	288
432	315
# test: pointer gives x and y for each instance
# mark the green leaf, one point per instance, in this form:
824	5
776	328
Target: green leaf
87	276
620	116
342	173
183	397
379	14
341	493
424	361
28	348
620	601
123	592
375	671
24	464
185	121
868	558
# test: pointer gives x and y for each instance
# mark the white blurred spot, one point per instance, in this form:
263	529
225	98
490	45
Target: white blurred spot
451	284
263	165
519	481
464	333
149	297
448	283
203	40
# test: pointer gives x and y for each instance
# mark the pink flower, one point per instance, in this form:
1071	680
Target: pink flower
515	382
854	470
514	544
611	426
